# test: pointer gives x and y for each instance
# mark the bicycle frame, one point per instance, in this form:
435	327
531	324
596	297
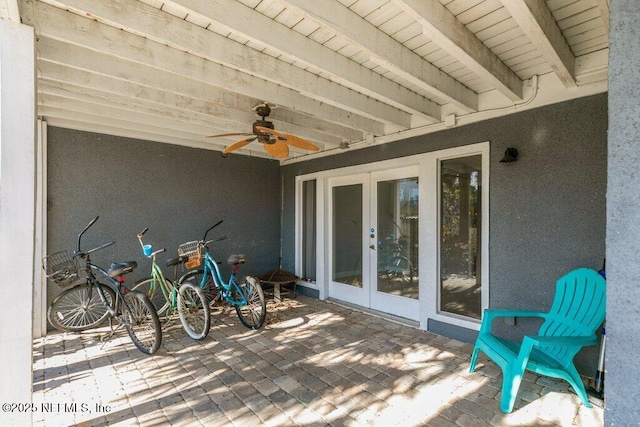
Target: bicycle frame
114	284
211	269
111	283
170	295
246	297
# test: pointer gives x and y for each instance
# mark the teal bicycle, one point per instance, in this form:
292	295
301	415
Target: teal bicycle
177	295
246	297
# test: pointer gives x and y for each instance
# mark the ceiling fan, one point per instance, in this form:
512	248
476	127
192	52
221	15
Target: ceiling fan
275	142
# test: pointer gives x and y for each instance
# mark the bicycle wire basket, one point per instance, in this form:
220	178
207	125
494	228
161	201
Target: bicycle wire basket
191	250
61	268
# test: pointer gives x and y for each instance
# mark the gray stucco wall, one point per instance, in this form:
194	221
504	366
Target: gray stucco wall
623	218
547	211
177	192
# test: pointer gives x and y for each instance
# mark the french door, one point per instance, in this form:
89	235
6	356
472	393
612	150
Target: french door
373	240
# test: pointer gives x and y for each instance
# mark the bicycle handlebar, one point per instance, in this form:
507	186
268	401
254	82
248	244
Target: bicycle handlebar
152	254
214	240
82	254
159	251
93	221
140	234
207	232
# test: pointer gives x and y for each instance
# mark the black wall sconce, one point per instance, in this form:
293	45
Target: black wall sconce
510	155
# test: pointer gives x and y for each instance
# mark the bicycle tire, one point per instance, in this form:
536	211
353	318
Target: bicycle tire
79	308
209	288
193	310
253	314
154	293
142	322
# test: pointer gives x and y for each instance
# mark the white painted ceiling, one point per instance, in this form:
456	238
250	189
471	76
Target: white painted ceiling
336	72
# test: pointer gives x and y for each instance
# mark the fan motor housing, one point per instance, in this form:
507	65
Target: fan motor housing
263	137
262	123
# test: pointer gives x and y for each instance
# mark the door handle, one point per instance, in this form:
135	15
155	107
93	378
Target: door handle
372	247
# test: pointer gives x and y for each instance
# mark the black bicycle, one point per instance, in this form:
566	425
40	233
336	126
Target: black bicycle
100	298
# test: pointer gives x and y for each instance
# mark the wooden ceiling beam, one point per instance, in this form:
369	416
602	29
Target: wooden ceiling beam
65	26
233	107
385	51
539	25
135	17
445	30
94	124
9	10
233	16
121	104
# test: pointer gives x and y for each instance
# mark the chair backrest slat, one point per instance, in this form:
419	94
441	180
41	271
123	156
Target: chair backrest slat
577	310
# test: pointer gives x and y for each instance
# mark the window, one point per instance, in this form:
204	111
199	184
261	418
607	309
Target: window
460	235
309	230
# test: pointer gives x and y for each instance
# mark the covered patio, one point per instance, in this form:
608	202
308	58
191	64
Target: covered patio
107	108
315	363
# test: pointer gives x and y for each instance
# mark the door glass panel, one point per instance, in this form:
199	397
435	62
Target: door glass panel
460	287
347	235
397	213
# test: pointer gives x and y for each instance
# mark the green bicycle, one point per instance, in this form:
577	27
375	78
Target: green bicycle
177	295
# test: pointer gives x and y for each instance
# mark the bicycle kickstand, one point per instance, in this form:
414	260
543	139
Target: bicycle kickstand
111	333
106	337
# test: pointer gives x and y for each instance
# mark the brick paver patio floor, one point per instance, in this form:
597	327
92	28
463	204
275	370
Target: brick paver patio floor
314	363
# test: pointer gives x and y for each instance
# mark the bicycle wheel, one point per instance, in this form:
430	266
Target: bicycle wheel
193	311
142	323
209	288
151	289
79	308
253	314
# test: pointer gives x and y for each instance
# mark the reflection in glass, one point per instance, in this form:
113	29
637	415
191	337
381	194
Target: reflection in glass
460	287
347	235
398	237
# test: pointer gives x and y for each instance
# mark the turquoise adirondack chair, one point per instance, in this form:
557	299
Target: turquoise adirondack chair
577	311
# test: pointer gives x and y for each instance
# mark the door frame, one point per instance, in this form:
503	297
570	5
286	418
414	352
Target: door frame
429	231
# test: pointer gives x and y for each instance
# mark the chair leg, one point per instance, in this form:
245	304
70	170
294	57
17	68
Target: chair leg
510	386
574	379
474	358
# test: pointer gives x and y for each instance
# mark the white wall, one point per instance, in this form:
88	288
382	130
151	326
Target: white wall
17	215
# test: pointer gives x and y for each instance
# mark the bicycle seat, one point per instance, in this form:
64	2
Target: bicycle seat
237	259
120	268
180	260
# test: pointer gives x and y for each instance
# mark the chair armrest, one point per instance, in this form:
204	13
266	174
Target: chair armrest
574	341
490	314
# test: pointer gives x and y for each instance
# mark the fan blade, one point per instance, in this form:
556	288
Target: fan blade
229	134
238	144
290	139
277	149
